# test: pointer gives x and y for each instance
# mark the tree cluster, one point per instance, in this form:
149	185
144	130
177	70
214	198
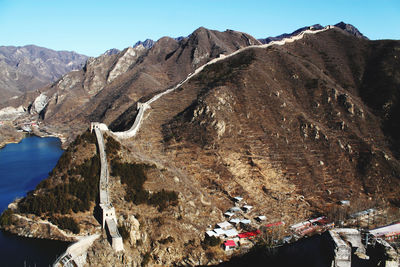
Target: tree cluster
5	218
210	242
134	176
74	195
112	146
123	231
66	223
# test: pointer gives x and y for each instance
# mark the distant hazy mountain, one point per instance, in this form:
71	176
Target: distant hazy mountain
31	67
148	43
111	52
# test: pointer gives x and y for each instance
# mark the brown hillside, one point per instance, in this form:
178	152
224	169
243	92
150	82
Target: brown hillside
274	123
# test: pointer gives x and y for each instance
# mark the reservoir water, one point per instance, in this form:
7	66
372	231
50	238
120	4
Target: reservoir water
22	167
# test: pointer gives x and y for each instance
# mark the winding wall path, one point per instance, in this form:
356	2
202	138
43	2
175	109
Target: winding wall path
104	174
74	252
143	106
109	219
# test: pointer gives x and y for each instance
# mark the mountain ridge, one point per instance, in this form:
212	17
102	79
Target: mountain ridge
342	25
30	67
292	128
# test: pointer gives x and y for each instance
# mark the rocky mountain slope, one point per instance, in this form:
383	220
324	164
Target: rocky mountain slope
292	128
31	67
109	85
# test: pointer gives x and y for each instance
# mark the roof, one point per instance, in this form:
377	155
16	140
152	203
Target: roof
317	219
224	225
261	218
245	221
387	230
234	209
301	224
211	233
235	220
229	214
275	224
238	199
219	231
248	207
230	243
231	233
249	234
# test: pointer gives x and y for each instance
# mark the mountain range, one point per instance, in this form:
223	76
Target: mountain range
294	126
31	67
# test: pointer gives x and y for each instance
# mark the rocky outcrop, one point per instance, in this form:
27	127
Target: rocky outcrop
40	103
125	61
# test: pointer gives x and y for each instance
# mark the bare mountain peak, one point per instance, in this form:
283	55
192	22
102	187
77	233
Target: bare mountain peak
344	26
350	29
288	35
111	52
148	43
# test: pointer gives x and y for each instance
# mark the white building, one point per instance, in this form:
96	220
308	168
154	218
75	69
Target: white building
247	208
237	199
225	225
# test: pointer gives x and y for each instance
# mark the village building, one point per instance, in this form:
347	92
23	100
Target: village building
231	233
219	232
298	227
224	225
275	224
234	221
211	233
237	199
229	214
247	208
229	245
344	202
389	233
248	235
235	209
261	218
244	223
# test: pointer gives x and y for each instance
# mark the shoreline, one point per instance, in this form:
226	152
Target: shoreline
23	226
29	225
35	227
17	140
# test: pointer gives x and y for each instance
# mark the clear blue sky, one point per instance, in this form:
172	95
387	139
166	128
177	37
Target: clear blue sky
93	26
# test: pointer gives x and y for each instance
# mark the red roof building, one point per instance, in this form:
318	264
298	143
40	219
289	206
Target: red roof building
249	234
274	224
229	244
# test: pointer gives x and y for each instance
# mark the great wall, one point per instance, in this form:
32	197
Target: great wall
76	253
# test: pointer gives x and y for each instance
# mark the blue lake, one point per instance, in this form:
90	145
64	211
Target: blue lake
22	167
